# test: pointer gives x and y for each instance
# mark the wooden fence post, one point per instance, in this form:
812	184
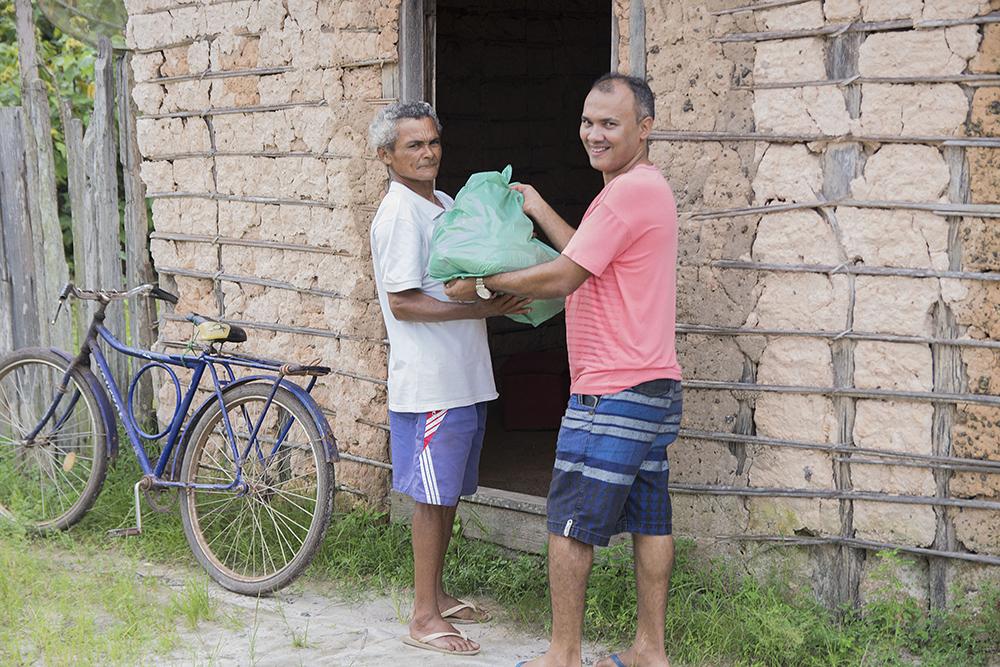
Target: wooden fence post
102	193
76	171
47	242
138	265
17	259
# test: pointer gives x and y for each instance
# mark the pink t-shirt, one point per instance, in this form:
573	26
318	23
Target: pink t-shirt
620	323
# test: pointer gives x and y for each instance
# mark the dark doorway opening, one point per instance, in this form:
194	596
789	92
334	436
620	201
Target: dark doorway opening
510	79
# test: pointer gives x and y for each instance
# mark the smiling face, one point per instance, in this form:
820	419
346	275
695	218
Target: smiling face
416	156
614	138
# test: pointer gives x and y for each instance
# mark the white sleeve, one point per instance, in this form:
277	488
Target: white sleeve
401	254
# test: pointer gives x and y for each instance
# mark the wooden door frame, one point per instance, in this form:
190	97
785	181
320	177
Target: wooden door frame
417	46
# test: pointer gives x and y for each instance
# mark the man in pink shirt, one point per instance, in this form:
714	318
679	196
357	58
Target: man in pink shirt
618	272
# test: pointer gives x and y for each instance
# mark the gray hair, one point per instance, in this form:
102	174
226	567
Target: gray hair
383	131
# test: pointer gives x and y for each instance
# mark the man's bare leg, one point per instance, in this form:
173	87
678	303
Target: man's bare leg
430	531
654	561
569	568
444	600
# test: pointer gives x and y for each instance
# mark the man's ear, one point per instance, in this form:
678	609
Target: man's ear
383	155
645	127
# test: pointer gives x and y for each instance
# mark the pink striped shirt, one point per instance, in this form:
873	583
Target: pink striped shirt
620	323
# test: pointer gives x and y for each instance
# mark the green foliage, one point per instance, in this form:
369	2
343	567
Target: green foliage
10	77
67	69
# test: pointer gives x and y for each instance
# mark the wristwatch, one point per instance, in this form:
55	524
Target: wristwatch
482	291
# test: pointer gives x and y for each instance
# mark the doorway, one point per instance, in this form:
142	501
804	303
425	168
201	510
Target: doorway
509	79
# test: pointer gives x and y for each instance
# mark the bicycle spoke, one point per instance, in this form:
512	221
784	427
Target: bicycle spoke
290	520
48	483
282	540
267	532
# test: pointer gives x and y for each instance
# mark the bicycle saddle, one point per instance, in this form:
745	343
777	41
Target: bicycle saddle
208	330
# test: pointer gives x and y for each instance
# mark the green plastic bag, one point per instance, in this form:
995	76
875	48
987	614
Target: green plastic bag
487	232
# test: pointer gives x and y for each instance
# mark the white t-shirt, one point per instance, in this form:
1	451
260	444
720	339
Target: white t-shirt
432	365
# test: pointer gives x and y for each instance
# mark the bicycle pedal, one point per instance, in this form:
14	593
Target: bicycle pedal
125	532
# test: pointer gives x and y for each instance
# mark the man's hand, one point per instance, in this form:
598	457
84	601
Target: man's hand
534	206
558	232
461	289
505	304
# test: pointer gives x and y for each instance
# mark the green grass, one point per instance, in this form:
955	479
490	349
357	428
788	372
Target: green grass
195	604
64	604
717	614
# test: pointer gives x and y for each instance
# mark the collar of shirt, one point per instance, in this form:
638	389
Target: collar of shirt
431	209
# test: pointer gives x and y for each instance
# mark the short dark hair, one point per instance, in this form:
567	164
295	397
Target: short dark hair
645	103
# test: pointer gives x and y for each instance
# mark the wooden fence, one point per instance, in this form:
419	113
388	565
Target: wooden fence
34	265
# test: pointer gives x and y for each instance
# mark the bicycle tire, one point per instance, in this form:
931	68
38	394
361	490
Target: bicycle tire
68	466
295	482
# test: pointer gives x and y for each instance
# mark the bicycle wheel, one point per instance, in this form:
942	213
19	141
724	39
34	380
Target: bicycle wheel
50	482
258	536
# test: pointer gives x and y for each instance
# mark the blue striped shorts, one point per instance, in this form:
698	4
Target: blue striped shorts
611	472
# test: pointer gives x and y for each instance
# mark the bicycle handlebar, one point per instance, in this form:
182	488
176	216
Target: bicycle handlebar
107	296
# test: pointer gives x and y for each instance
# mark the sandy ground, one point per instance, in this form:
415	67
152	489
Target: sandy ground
335	630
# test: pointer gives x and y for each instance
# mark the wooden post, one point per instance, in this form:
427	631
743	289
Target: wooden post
138	265
17	259
76	168
6	288
102	192
47	242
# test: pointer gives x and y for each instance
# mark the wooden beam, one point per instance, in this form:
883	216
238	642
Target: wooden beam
46	233
76	172
411	50
138	264
18	295
102	173
637	39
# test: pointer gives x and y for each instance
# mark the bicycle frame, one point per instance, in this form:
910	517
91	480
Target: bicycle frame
206	360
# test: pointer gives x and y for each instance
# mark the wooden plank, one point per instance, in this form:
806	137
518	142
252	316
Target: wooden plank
76	171
6	288
138	265
411	50
513	520
510	519
47	243
102	192
17	257
637	39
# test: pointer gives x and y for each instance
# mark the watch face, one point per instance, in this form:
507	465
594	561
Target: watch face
482	292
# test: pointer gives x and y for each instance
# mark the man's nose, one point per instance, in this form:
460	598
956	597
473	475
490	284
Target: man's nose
594	134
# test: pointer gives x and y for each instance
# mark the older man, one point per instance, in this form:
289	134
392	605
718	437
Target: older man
440	375
619	272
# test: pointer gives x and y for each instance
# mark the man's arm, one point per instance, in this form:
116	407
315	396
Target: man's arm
557	229
412	305
550	280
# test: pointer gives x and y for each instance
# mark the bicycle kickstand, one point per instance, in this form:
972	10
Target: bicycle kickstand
137	528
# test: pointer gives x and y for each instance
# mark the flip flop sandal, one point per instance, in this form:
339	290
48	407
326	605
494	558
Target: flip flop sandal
424	643
449	614
618	661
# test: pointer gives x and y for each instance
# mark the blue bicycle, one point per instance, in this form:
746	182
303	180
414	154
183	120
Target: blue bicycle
252	465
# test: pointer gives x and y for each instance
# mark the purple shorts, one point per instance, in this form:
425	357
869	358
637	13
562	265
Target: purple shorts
435	455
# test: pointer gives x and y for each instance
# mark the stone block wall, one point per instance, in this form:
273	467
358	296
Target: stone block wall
252	123
835	257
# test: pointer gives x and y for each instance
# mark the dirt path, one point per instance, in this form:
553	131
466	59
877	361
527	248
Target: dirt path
312	625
